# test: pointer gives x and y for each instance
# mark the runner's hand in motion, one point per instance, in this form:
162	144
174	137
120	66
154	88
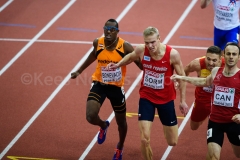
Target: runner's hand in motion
176	84
236	118
112	66
74	74
183	108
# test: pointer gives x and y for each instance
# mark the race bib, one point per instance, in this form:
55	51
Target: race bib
208	89
224	96
209	133
153	80
111	75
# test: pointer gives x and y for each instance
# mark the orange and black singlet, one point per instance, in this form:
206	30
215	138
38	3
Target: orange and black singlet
104	57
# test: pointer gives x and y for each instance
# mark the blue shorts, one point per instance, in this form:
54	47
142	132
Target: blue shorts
222	37
166	112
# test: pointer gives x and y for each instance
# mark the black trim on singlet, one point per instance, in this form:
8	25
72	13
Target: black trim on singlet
98	52
120	53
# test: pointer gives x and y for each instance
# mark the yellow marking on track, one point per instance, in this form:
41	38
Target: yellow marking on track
27	158
131	114
136	114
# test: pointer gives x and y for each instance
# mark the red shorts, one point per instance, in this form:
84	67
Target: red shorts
200	111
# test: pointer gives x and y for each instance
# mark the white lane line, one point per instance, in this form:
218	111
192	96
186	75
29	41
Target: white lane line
51	96
189	47
5	5
179	22
46	41
182	125
138	79
88	42
36	37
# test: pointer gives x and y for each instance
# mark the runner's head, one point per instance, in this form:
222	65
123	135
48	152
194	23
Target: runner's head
111	30
213	57
231	54
151	38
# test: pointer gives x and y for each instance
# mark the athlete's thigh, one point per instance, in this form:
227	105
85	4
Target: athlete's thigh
219	38
200	111
232	35
233	133
215	136
146	110
171	133
95	98
215	133
116	95
167	113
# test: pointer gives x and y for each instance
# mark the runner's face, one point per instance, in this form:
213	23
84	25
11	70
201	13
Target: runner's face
231	55
212	60
110	31
152	42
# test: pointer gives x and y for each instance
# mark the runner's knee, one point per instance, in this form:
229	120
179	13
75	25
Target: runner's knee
214	156
145	138
90	118
172	141
194	127
145	142
121	119
92	110
122	123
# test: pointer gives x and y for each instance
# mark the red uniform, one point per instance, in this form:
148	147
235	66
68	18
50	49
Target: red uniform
156	85
225	97
202	104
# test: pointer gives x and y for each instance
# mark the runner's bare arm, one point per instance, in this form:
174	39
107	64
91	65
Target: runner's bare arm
178	67
133	56
129	49
91	58
193	66
201	82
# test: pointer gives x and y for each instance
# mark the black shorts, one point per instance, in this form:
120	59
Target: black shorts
166	112
116	95
216	132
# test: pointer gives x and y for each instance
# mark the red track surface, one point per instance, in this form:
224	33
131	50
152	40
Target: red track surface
60	130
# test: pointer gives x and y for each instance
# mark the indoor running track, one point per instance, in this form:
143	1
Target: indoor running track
43	111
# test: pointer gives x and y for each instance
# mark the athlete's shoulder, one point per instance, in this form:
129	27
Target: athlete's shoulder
215	70
140	48
174	53
126	43
95	42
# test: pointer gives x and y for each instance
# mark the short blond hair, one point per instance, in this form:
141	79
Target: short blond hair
150	31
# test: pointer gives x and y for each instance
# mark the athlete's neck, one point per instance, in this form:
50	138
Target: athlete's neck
230	71
111	44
